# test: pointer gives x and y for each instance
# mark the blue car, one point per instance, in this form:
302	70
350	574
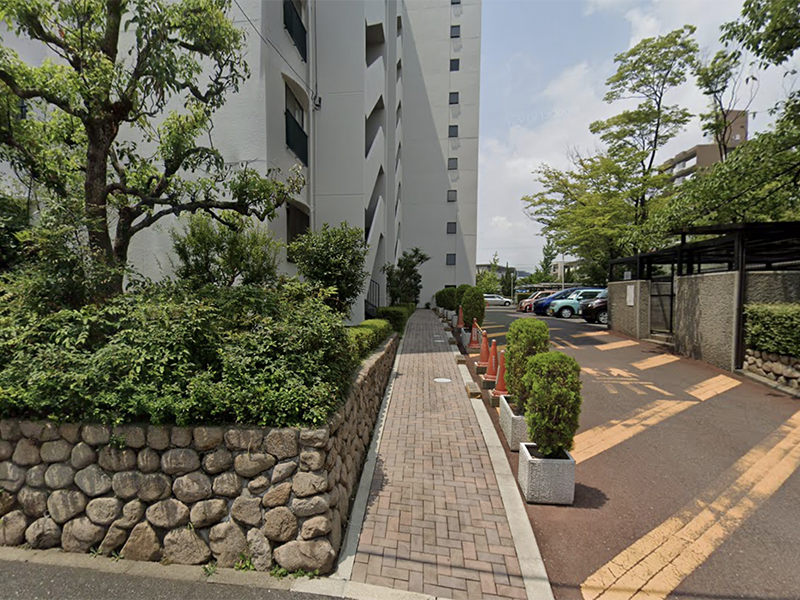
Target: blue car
540	306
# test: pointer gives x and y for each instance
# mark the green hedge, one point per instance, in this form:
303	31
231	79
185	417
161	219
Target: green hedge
368	335
474	306
460	291
446	299
525	338
773	328
397	315
170	354
553	407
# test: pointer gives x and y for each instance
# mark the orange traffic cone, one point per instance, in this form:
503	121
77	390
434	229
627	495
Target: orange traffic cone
500	387
491	370
483	360
460	322
473	339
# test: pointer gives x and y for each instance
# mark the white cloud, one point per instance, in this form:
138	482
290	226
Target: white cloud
563	109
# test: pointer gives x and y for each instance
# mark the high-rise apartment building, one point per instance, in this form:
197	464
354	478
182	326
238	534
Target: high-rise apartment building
378	101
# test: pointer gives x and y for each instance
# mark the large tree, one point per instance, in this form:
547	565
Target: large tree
118	125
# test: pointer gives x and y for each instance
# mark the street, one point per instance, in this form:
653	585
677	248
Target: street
686	483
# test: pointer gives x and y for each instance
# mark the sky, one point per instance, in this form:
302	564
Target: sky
544	64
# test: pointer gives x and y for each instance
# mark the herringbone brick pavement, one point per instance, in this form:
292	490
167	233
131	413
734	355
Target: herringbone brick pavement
435	522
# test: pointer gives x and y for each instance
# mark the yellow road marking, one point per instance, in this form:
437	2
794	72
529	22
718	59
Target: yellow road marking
496	334
658	562
590	371
656	361
655	388
598	439
620	372
615	345
568	344
713	387
591	334
492	326
611	389
556	344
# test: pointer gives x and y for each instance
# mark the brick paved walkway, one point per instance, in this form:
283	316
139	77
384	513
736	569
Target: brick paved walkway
435	521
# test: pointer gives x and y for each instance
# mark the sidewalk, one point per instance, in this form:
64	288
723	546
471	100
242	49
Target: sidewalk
435	521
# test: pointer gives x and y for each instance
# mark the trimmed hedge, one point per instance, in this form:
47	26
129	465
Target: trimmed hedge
368	335
397	315
553	407
460	291
474	306
446	299
773	328
525	338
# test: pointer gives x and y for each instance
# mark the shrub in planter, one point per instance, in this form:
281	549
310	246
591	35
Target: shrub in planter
553	389
474	306
460	294
446	299
396	315
773	328
525	338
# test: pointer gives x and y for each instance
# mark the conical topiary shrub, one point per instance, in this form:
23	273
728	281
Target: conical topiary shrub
474	306
525	338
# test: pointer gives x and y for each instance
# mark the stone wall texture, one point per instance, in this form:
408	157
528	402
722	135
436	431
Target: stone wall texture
782	369
633	321
191	495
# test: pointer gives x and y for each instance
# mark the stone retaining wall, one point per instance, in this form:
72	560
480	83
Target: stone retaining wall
782	369
191	495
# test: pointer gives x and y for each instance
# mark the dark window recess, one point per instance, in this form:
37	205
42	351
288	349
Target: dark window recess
452	195
451	259
455	31
294	25
452	131
452	164
297	223
455	1
451	227
453	97
451	285
296	138
455	64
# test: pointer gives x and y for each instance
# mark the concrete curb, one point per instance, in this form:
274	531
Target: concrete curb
534	574
769	383
347	554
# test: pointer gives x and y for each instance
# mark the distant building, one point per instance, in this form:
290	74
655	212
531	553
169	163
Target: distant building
684	165
564	269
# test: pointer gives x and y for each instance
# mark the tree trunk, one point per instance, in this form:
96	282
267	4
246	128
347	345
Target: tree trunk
99	138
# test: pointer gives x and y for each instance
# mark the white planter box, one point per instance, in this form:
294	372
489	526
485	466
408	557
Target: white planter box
546	480
454	320
514	427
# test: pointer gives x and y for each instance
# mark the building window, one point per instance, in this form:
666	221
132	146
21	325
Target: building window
452	164
451	259
455	64
297	223
452	195
453	97
452	131
455	31
293	22
451	285
451	227
296	137
455	1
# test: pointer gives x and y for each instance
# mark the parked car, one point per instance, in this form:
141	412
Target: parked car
595	310
569	306
527	304
540	306
497	300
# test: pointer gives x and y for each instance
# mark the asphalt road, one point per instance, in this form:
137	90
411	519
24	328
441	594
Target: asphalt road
40	581
660	441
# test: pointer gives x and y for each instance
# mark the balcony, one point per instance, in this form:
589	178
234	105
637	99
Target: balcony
375	158
293	23
375	82
296	138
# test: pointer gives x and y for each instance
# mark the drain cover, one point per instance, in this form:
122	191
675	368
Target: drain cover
442	380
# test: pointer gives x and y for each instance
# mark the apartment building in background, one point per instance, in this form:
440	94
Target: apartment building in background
377	100
684	165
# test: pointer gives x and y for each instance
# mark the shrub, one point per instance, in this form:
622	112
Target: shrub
460	294
404	281
13	219
368	335
446	299
396	315
231	249
173	354
474	306
773	328
333	257
525	338
553	389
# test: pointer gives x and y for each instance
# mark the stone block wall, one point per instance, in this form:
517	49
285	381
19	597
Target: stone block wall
191	495
782	369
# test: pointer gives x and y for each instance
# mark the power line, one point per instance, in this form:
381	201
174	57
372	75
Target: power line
267	41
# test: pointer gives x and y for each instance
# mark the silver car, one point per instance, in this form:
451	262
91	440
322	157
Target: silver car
497	300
